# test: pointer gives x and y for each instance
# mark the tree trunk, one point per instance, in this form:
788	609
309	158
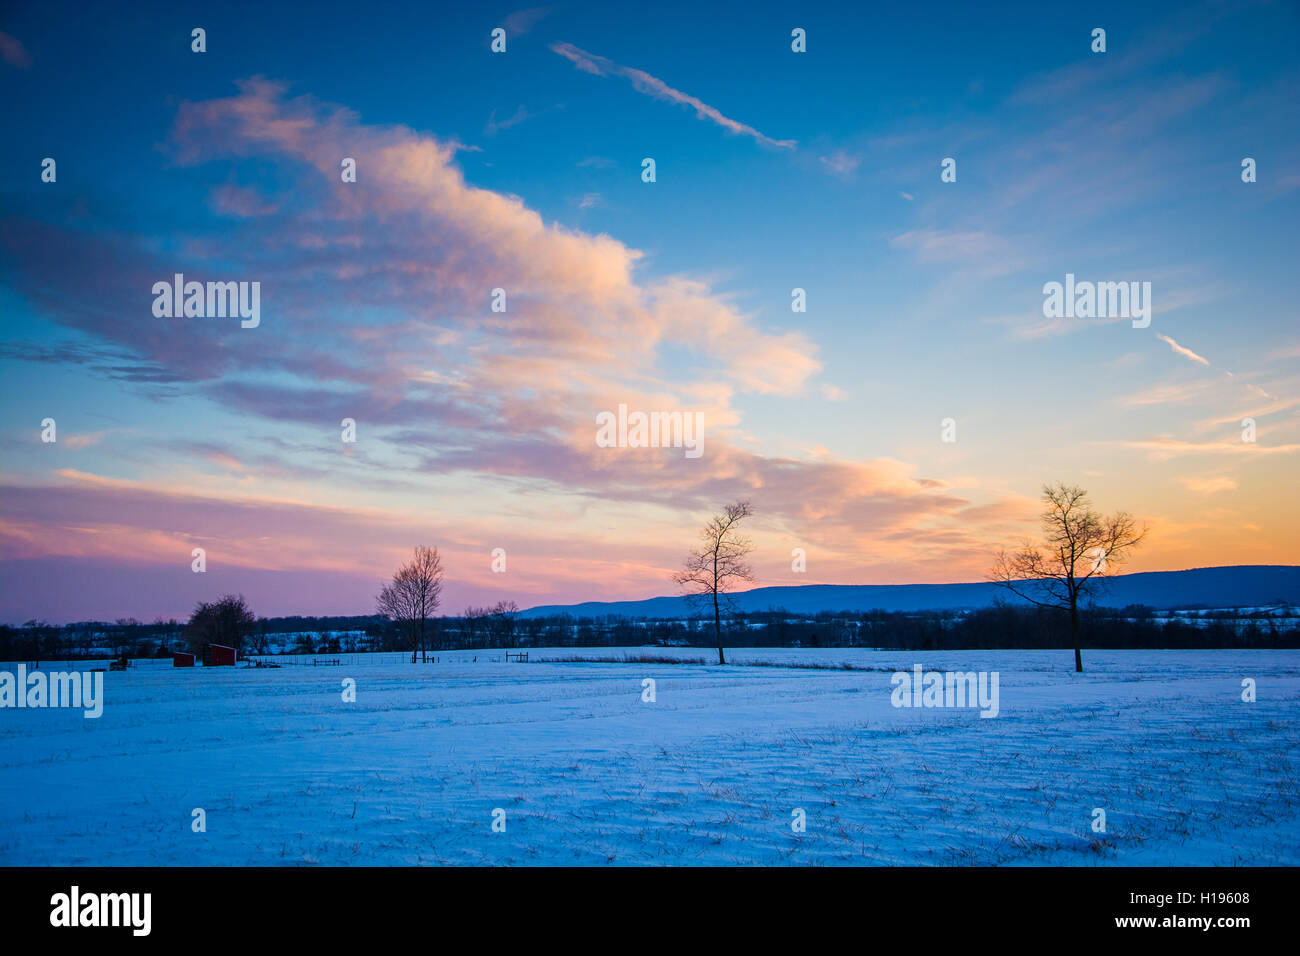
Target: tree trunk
1074	633
717	628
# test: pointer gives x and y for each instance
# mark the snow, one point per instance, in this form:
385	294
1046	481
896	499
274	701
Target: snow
288	773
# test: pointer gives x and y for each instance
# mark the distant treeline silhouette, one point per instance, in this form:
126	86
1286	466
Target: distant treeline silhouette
995	627
986	628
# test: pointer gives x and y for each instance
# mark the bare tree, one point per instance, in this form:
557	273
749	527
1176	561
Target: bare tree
503	617
413	596
1079	547
226	621
719	563
397	603
472	616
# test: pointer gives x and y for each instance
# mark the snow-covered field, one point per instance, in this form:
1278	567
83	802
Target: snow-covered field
709	773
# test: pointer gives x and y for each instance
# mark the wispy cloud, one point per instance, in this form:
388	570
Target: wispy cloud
1178	32
1184	351
1209	485
1254	411
833	393
841	163
938	244
494	125
77	442
643	82
1168	447
1167	394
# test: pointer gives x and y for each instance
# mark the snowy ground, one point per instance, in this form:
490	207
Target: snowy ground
709	773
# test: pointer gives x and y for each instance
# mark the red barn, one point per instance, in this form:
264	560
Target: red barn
218	655
181	659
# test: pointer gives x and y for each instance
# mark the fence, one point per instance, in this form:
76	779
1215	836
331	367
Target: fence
370	658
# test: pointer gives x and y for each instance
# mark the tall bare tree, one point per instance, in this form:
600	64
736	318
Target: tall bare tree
413	596
1079	546
396	602
226	621
712	571
503	621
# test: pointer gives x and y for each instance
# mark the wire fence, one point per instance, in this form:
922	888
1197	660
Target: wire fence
363	658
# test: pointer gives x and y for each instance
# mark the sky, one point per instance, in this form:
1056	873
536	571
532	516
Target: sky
522	170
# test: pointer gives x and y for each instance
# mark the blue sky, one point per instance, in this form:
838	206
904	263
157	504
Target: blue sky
924	298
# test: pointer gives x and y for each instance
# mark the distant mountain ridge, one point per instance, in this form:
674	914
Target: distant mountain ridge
1235	586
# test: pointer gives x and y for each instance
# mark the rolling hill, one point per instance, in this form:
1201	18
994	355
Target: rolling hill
1237	586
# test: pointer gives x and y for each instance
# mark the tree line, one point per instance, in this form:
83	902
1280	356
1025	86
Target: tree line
986	628
1057	576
